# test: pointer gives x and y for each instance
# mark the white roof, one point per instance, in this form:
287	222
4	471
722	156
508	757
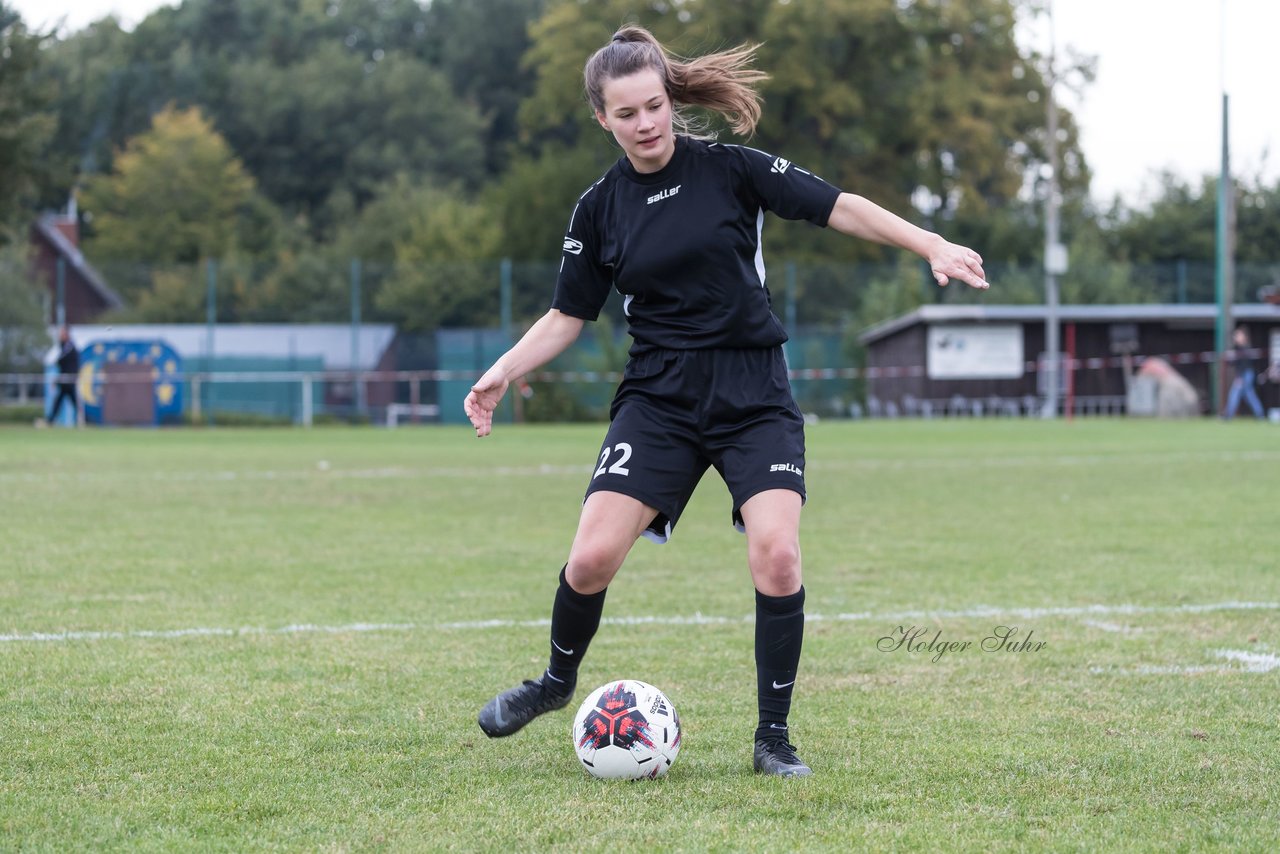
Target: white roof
1148	312
329	341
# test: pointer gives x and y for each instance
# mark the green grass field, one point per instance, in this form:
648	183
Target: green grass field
278	640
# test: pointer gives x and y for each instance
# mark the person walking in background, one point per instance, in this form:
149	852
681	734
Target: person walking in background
1246	370
675	227
68	368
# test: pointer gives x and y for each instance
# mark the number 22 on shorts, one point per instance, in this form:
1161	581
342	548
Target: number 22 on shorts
618	467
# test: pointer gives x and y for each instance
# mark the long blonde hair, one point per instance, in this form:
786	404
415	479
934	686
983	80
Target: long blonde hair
723	82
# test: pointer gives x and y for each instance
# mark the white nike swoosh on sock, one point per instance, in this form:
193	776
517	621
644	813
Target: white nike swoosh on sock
559	647
778	687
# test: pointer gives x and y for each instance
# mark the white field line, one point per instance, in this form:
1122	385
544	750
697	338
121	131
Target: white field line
1249	662
323	469
1253	662
1115	628
696	619
300	628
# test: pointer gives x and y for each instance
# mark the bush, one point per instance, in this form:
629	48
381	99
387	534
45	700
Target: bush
21	413
231	418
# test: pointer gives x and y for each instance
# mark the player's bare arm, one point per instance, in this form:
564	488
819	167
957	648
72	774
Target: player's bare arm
864	219
546	339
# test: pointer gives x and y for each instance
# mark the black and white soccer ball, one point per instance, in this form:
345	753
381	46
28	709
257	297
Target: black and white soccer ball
626	730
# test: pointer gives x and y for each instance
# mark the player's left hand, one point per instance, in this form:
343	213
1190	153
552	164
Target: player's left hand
953	261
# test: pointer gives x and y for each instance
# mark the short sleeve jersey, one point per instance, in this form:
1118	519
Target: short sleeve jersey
682	245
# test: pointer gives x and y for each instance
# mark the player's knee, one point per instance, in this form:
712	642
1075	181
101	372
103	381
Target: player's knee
777	563
592	566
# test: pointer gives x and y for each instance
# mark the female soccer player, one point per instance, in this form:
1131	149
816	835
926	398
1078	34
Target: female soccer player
675	226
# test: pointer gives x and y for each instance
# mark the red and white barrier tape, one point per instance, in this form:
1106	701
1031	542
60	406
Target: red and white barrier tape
879	372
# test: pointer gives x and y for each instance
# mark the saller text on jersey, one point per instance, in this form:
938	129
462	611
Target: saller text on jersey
682	245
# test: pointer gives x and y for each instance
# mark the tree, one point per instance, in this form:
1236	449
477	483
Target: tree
108	87
22	332
174	196
24	124
320	101
1172	242
338	123
477	45
177	196
1180	222
446	271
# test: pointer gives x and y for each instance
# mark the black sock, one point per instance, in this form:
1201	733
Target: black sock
574	619
779	632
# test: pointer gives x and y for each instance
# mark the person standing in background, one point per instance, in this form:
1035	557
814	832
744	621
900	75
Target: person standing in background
68	368
1246	376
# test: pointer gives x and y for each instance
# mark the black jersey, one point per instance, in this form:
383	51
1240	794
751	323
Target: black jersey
682	245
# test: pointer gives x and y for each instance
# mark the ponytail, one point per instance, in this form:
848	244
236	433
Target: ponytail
723	82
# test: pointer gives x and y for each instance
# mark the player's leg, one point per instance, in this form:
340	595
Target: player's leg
644	475
772	523
609	525
757	444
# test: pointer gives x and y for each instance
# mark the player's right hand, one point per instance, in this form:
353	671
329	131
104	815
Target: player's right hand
484	398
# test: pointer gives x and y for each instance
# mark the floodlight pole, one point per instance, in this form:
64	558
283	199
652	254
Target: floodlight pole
1054	252
1224	273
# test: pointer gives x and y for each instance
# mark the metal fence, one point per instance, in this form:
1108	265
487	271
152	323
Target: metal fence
450	321
396	398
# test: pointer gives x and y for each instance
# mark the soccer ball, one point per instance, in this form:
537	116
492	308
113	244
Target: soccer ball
626	730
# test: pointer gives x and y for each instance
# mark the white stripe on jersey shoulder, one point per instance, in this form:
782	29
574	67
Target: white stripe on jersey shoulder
766	155
775	159
760	245
585	193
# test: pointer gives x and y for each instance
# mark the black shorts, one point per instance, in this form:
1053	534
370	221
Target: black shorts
677	412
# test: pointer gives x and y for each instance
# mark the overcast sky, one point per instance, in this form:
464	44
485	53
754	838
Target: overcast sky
1156	103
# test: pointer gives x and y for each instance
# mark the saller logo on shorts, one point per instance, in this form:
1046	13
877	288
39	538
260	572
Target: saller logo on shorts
787	467
573	247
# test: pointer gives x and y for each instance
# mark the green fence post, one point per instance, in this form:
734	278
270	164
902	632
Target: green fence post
504	296
211	320
357	384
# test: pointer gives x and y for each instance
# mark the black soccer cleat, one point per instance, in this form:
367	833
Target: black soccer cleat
777	756
508	712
